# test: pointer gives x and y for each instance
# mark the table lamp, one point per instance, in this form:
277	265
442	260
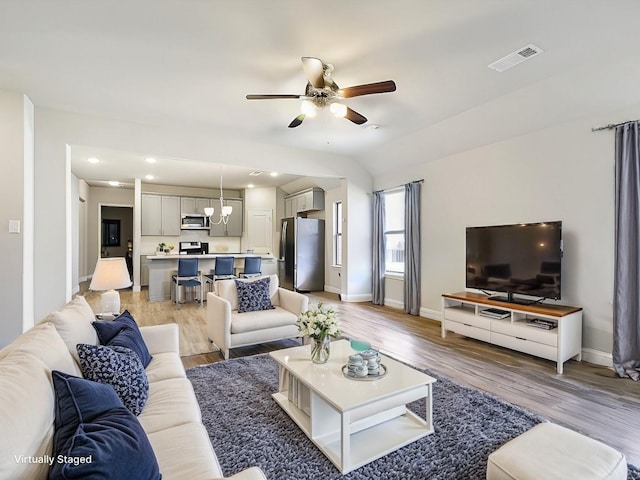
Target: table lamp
110	273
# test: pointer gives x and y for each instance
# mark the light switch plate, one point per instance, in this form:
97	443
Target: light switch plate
14	226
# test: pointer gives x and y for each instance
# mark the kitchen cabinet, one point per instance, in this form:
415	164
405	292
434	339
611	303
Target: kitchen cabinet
160	215
190	205
144	270
305	201
234	226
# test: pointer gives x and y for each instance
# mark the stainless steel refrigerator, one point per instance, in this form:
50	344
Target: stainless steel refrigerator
301	262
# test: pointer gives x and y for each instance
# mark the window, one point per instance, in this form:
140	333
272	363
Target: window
110	233
337	233
394	231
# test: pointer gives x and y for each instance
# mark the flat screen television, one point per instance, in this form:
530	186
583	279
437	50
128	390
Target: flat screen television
524	259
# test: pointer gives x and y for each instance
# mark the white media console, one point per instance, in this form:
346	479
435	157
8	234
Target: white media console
462	314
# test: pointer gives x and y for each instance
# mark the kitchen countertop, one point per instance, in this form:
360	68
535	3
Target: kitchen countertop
175	256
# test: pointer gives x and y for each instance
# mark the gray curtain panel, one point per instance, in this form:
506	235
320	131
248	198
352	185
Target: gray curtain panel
626	297
377	286
412	193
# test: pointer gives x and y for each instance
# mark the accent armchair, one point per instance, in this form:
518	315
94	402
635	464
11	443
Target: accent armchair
228	328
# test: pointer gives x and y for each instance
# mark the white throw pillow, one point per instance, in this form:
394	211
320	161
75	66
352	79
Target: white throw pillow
73	323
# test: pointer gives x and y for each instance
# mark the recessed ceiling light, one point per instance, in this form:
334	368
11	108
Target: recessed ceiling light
274	174
149	177
114	183
93	160
251	185
150	160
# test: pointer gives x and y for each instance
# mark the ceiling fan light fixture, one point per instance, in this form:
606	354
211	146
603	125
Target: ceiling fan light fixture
338	109
308	108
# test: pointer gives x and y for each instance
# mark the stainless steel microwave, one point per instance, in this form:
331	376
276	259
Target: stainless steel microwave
194	221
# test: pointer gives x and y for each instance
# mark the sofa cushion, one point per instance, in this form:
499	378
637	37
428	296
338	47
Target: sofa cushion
119	367
164	366
43	342
123	332
227	289
171	402
26	415
73	323
185	452
92	424
251	321
253	296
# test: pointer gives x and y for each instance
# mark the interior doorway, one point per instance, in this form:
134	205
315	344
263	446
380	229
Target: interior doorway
116	233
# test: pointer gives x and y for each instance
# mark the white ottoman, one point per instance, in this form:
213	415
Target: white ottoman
549	451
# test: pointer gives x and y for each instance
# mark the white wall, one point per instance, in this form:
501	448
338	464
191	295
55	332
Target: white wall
562	173
56	130
16	199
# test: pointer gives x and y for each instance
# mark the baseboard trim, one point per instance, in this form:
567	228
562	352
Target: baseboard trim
330	289
388	302
597	357
431	314
362	297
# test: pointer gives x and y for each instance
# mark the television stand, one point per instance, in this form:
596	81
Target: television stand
510	298
461	313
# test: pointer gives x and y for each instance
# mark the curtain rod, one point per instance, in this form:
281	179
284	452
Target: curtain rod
610	126
398	186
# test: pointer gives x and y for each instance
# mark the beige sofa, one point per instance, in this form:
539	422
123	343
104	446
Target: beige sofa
171	417
229	329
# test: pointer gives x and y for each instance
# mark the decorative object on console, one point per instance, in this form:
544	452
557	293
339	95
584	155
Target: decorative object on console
320	325
109	275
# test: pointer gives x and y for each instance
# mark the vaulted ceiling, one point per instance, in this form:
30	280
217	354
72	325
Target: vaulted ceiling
191	63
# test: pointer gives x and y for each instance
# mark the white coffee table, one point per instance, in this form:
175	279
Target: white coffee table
352	422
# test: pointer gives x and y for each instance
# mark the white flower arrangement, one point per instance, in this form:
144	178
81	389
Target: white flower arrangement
319	323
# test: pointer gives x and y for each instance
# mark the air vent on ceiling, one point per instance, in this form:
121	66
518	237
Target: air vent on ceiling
514	58
255	173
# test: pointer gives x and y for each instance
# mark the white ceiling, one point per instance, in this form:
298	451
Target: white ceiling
189	63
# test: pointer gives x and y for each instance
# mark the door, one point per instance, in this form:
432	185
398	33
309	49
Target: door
260	229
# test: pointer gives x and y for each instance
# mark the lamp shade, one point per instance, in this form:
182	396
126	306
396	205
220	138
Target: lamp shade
110	273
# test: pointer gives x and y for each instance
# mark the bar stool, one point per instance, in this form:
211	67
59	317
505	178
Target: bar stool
187	276
223	270
252	267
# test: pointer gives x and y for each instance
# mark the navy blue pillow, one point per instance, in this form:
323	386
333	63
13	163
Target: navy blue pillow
254	296
119	367
123	332
96	436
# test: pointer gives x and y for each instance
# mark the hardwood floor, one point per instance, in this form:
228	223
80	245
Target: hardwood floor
587	398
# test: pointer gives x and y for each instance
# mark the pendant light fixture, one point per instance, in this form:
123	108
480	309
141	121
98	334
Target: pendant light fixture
225	210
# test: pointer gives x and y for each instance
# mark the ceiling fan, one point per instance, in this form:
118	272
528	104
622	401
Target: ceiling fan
322	91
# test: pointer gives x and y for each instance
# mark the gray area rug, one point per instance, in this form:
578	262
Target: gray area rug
247	428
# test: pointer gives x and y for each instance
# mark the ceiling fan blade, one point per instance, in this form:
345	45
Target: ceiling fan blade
314	71
368	89
355	117
297	121
269	96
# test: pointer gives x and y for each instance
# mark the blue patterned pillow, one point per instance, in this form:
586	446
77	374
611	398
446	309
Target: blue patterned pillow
119	367
92	425
253	296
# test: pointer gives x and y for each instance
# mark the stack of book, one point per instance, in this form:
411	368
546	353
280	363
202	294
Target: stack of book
494	313
540	323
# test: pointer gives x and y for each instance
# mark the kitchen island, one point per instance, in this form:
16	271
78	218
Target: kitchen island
161	267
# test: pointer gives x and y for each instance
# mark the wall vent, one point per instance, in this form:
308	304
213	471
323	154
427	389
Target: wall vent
514	58
255	173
